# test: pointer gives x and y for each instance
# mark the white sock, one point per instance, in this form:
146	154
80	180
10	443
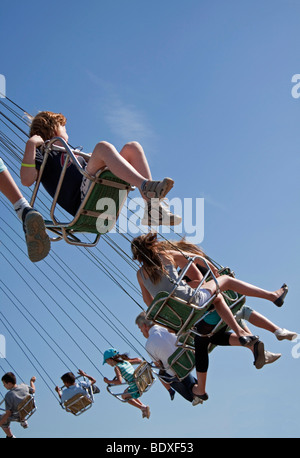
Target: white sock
20	205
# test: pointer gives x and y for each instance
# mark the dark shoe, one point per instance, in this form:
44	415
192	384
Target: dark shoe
199	398
259	354
279	302
247	341
38	242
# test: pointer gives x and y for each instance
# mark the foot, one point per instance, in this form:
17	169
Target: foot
282	334
157	189
38	242
199	398
259	354
157	213
24	424
248	341
271	357
146	412
282	293
172	393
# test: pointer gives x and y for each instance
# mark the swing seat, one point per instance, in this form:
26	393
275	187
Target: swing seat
26	408
175	313
143	377
100	208
234	301
78	404
182	361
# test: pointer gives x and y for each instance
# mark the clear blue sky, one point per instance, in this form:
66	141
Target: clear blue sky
206	88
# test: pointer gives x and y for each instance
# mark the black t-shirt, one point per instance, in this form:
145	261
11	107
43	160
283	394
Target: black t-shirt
69	196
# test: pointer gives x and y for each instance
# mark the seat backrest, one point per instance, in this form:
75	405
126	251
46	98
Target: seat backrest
78	404
143	377
26	407
173	312
182	361
109	188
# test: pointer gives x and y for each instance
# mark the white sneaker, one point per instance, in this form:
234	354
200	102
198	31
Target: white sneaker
157	213
282	334
271	357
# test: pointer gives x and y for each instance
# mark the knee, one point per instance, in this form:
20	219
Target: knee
103	145
134	144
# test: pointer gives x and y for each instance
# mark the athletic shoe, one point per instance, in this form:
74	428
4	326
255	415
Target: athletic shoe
282	334
157	213
271	357
38	242
146	412
157	189
24	424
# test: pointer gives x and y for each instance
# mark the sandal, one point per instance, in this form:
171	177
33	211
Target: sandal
279	302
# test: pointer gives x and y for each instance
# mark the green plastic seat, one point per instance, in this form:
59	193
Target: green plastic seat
182	361
100	208
174	313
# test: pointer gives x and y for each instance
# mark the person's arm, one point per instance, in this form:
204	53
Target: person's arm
58	390
89	377
134	360
28	172
116	381
32	386
193	272
145	293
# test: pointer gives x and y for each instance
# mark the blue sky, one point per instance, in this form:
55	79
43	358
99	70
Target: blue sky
206	88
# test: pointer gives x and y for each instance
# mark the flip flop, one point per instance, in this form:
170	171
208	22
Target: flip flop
279	302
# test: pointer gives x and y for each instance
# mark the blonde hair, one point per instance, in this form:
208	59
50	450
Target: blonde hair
45	124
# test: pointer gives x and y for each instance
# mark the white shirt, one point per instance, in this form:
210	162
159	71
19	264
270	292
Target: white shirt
161	345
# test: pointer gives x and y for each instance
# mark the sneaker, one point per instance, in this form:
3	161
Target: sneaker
259	354
38	242
24	424
199	398
157	189
282	334
271	357
146	412
11	437
157	213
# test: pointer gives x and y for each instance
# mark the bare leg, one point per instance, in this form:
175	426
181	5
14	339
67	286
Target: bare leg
227	316
9	188
229	283
129	166
7	431
261	321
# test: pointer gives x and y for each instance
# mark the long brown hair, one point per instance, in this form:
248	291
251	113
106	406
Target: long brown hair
147	249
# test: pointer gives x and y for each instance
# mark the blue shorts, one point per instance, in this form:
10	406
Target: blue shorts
2	166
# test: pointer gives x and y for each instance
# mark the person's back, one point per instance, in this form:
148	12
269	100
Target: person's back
16	395
78	387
